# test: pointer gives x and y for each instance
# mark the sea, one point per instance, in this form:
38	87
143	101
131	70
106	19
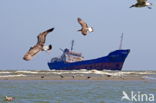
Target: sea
78	91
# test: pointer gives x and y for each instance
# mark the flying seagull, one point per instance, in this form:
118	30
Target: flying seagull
39	46
142	3
85	29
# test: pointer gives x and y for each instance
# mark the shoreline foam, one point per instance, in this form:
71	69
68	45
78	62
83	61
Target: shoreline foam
75	75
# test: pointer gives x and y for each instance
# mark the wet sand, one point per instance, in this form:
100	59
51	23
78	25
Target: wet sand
73	76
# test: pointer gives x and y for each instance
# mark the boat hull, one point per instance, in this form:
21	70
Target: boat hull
113	61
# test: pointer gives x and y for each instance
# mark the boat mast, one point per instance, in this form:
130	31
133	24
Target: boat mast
120	46
72	44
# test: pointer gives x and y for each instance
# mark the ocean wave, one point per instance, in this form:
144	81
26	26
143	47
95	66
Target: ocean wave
104	72
82	71
66	71
116	73
19	75
28	72
4	72
149	77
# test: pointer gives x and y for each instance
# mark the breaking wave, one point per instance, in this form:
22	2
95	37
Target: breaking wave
30	72
82	71
149	77
20	75
4	72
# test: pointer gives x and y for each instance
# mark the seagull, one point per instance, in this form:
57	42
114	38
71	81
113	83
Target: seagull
9	98
142	3
39	46
85	29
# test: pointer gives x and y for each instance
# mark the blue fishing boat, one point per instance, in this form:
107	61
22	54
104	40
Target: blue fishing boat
71	60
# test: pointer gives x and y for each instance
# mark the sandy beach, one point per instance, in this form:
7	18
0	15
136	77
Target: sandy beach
74	75
70	77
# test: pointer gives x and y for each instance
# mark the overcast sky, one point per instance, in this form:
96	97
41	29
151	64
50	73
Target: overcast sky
22	20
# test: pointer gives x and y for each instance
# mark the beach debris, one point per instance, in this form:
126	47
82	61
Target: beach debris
109	75
88	77
61	76
142	3
9	98
85	29
42	76
39	46
73	76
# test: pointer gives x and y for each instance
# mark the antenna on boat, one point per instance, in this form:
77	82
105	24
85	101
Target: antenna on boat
61	49
72	44
120	46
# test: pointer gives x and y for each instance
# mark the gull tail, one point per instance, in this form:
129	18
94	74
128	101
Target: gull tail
90	29
47	48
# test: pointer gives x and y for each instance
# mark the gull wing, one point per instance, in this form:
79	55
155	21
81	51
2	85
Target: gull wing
32	52
84	31
82	23
42	36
